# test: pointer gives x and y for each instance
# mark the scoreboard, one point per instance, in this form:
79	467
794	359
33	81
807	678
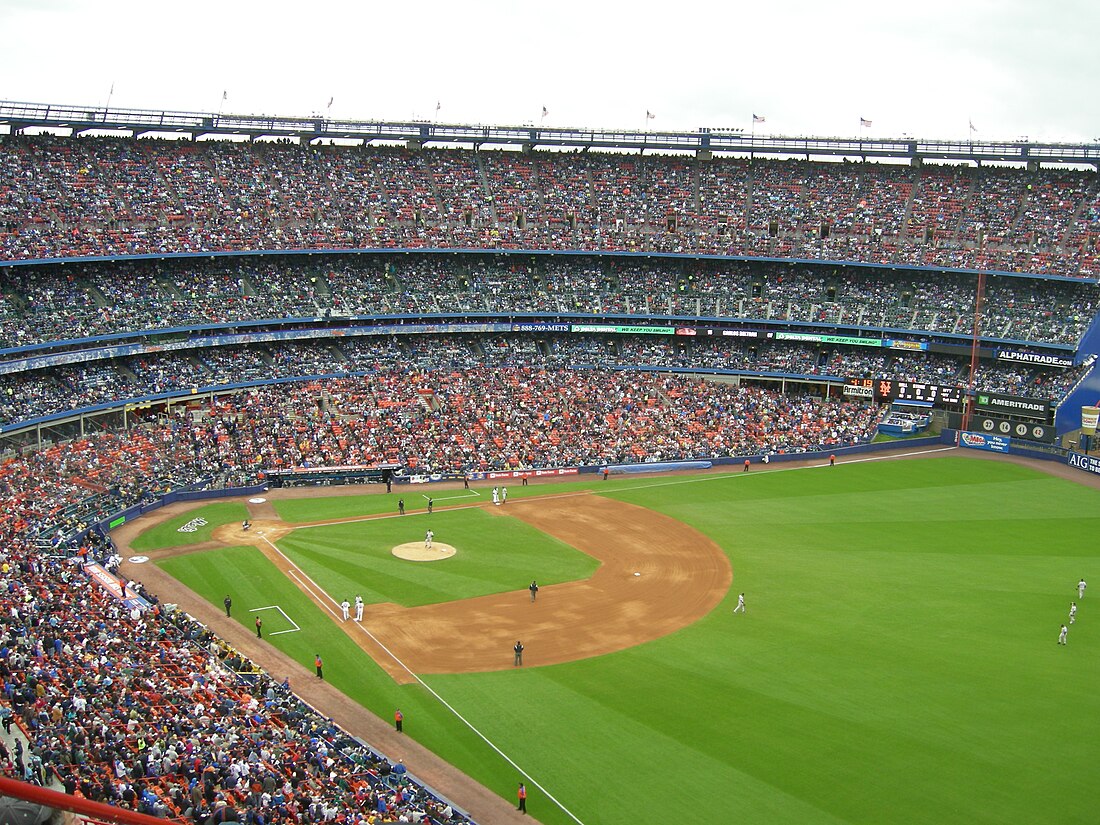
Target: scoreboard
891	389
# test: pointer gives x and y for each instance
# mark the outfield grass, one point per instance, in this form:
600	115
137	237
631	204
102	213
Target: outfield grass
898	662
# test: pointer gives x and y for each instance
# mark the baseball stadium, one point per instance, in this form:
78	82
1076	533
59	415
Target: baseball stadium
360	471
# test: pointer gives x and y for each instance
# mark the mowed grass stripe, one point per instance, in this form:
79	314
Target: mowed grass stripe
897	663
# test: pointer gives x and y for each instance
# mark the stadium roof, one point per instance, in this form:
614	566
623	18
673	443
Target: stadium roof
138	122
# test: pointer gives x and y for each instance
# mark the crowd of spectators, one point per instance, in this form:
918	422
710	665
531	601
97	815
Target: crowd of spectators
64	302
51	391
71	197
145	709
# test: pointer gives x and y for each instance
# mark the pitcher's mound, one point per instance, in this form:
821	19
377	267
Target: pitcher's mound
416	551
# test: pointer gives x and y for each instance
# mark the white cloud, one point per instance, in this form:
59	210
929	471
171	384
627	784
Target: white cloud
811	68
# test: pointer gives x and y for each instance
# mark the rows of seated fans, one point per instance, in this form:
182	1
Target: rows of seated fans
81	300
146	710
443	419
56	390
115	196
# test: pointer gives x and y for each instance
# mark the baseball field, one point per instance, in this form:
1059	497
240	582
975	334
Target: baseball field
897	660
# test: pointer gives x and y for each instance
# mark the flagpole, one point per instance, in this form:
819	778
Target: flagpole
110	94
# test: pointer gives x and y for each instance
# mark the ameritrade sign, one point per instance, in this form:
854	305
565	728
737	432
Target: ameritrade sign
1088	463
1012	405
1039	359
980	441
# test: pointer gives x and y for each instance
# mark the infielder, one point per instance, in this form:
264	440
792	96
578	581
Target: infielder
1062	635
1081	589
428	540
344	606
503	495
496	496
358	608
1072	612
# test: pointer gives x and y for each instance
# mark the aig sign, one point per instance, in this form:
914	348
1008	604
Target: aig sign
1088	463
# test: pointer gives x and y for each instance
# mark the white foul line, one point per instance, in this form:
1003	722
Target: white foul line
420	681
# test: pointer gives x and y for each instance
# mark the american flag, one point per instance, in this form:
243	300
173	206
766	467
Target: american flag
758	118
545	112
649	115
865	122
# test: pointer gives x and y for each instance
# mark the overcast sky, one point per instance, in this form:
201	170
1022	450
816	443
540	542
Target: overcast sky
927	69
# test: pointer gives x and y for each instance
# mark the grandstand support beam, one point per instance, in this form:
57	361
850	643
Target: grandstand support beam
974	344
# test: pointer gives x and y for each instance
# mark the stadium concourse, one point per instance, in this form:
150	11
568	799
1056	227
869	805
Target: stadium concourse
142	709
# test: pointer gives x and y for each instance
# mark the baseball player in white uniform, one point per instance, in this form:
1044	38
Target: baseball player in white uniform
1072	612
358	608
1062	635
740	604
345	605
428	540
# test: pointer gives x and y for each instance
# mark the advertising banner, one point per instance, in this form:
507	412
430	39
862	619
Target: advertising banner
1012	405
1038	359
1088	463
1090	417
981	441
541	473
